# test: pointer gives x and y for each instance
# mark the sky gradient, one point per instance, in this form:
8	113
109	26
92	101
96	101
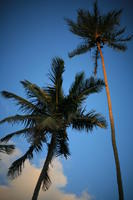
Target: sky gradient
31	34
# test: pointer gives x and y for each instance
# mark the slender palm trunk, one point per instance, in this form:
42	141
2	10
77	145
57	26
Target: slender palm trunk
117	163
45	168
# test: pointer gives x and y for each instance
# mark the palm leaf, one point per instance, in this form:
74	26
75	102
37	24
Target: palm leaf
125	39
7	148
35	92
16	167
83	48
23	103
20	119
81	87
57	69
117	46
16	133
44	173
88	121
62	144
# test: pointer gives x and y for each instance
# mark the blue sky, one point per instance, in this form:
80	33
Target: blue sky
32	33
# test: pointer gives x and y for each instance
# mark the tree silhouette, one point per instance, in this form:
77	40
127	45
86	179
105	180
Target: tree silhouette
47	114
97	31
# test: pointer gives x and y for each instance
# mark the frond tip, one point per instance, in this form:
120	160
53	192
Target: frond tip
16	167
89	121
7	148
83	48
57	69
46	182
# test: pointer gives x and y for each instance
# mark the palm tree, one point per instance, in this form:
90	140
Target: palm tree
47	114
97	31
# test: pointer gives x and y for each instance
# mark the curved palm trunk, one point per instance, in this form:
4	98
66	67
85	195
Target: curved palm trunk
45	167
117	163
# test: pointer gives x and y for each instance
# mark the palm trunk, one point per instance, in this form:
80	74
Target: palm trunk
117	163
45	168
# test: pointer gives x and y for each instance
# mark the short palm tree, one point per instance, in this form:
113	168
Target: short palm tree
97	31
48	113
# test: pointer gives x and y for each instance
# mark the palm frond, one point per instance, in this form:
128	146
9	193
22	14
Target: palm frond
20	119
119	32
62	144
51	151
111	20
6	148
81	87
73	27
88	121
21	102
57	70
55	75
34	92
79	79
16	133
117	46
83	48
46	182
17	166
125	39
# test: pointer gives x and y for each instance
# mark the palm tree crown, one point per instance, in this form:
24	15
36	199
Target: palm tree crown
94	28
47	114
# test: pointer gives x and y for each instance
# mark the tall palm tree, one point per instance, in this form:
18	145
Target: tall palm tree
47	114
97	31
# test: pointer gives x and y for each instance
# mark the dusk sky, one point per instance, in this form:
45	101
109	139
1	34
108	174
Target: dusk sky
32	32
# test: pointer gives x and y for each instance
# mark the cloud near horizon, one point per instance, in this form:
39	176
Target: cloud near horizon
22	187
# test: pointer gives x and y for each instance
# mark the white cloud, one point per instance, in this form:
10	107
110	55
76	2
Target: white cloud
22	187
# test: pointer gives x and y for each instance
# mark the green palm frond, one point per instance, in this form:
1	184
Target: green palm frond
112	19
82	87
117	46
55	75
79	80
120	32
16	167
88	121
20	119
83	48
51	153
17	133
24	104
62	144
57	69
6	148
73	27
46	182
125	39
34	92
